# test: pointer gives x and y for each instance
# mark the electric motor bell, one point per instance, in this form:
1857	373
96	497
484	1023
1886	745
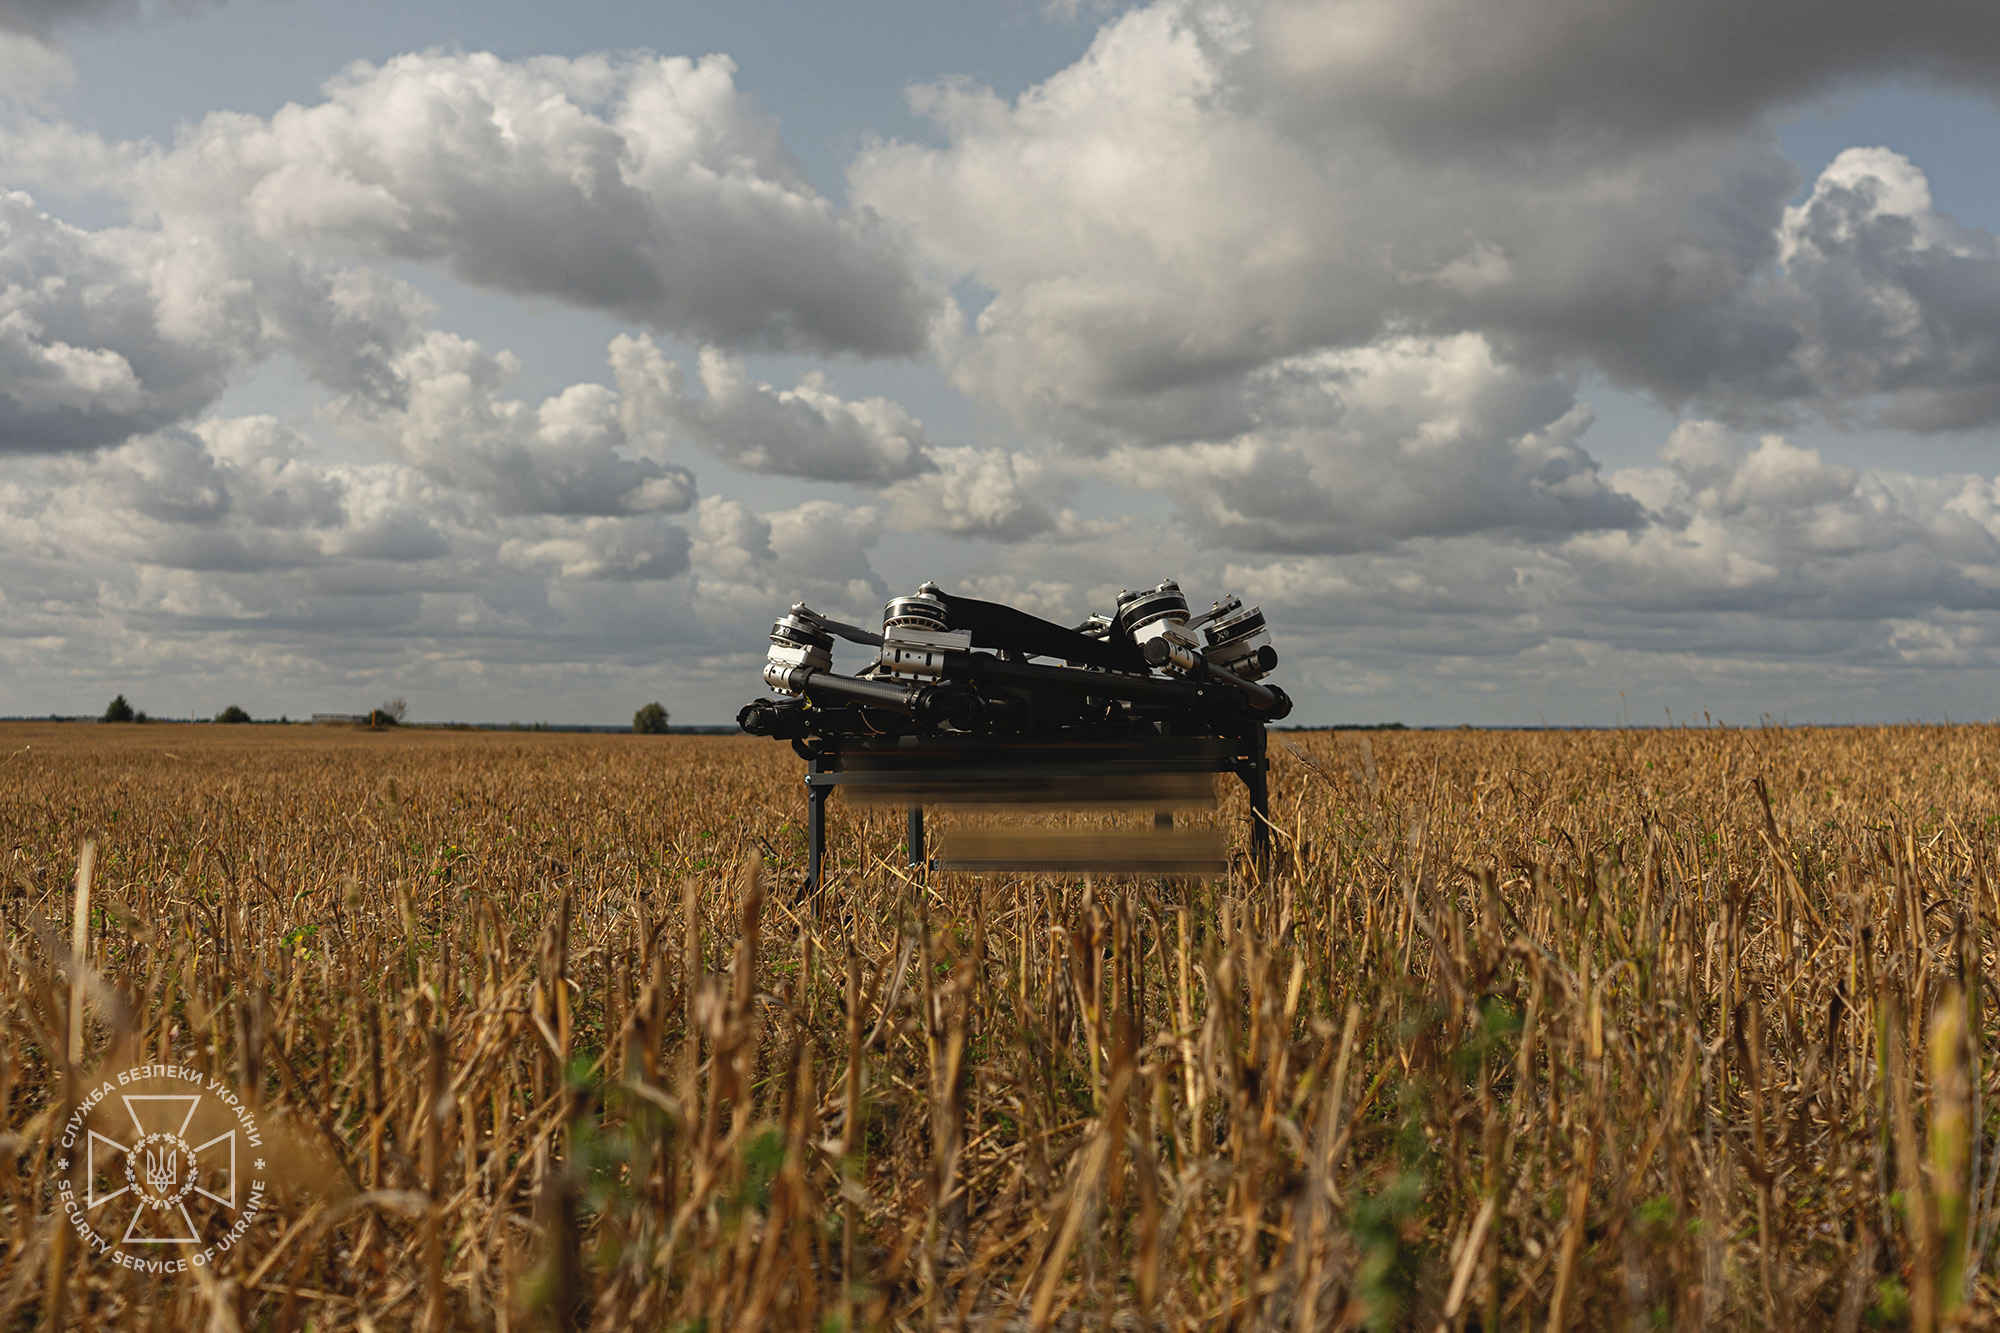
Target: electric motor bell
1146	615
797	640
915	638
1240	642
921	610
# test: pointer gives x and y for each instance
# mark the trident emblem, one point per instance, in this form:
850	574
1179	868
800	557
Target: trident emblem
162	1169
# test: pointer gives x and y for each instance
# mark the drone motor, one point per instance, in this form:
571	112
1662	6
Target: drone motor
916	637
798	639
1240	642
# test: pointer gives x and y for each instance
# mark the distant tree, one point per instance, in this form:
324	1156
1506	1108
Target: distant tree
119	711
650	720
395	710
232	714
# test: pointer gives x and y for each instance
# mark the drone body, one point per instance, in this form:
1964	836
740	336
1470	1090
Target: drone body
1140	708
949	665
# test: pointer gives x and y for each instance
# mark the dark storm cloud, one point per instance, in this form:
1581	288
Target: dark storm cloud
43	20
1456	75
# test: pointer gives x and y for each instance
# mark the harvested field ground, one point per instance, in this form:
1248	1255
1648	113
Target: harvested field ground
1536	1030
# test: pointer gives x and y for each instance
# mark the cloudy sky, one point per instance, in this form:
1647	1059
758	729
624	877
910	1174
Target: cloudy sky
1528	360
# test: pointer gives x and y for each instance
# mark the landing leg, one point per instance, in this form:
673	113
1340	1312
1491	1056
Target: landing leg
815	833
916	836
1258	776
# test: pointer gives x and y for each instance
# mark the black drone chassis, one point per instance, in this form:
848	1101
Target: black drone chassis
1139	700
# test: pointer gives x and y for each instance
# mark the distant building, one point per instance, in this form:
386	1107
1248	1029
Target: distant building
337	719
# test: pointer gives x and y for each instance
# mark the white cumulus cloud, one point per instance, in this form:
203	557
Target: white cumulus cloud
646	187
805	431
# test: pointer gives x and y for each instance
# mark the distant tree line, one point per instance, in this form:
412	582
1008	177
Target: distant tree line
648	721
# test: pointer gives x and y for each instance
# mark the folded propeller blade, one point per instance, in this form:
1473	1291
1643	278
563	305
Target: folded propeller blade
1004	628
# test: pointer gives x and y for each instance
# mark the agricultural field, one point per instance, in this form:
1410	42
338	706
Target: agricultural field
1660	1029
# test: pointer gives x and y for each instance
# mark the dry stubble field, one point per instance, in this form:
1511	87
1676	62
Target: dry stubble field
1555	1030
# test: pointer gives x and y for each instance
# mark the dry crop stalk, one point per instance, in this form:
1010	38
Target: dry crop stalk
1309	1032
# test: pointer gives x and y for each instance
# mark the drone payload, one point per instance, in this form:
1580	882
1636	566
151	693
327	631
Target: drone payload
947	665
